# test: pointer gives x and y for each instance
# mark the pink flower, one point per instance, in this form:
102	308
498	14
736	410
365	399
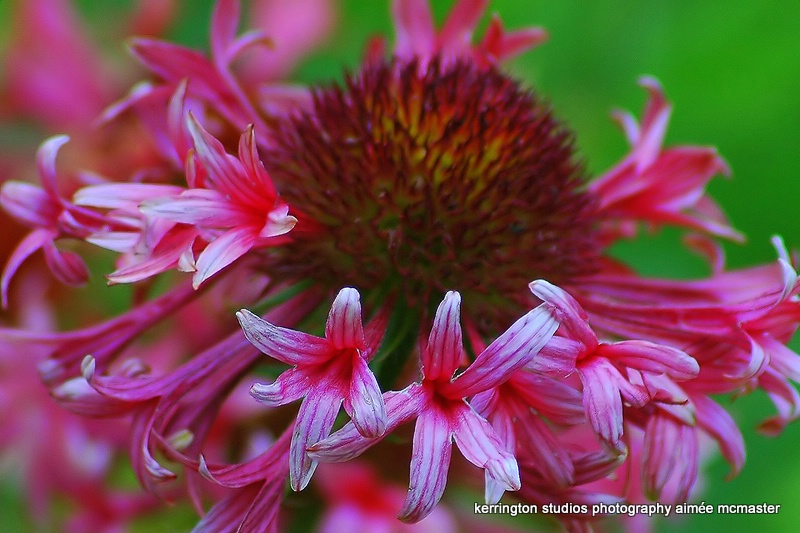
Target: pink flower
658	185
325	372
50	216
443	416
233	203
417	37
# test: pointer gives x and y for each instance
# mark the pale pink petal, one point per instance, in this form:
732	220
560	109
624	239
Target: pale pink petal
223	251
444	352
279	222
116	241
344	328
290	386
430	462
365	401
122	195
286	345
515	348
314	422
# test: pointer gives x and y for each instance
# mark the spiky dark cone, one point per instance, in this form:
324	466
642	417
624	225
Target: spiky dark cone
449	179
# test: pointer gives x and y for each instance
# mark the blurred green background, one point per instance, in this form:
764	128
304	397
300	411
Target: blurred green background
731	70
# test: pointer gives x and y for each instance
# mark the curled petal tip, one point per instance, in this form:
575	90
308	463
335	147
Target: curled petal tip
88	367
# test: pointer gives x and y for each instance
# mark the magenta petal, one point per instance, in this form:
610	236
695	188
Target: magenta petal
314	422
32	242
291	385
343	328
515	348
223	251
366	403
28	203
444	352
291	347
68	267
430	462
46	162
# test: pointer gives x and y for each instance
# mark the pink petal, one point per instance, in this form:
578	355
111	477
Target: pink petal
365	401
32	242
444	352
279	222
223	251
568	312
254	168
343	328
500	45
716	421
290	386
480	446
347	443
28	203
314	422
122	195
651	357
601	398
46	163
224	23
430	462
654	124
68	267
456	36
286	345
515	348
225	172
201	207
544	449
415	32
